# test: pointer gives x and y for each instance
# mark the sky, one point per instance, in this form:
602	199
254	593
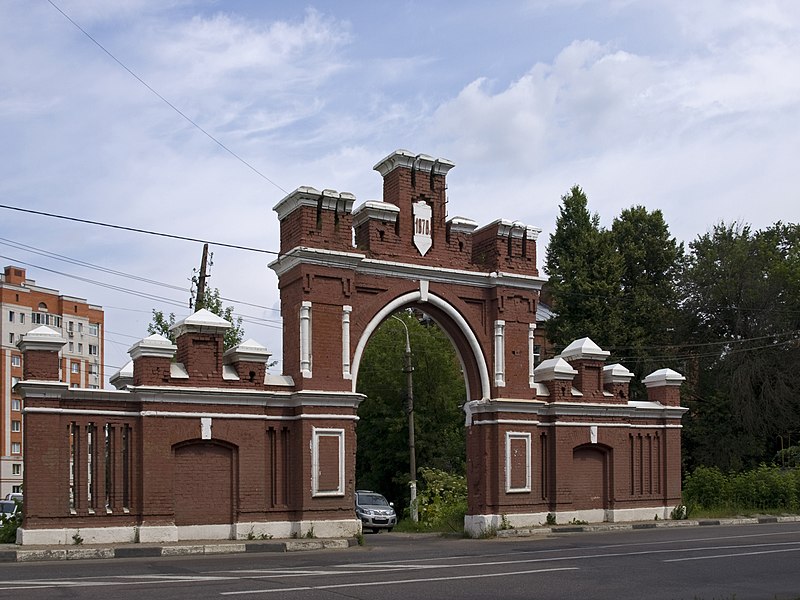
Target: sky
193	118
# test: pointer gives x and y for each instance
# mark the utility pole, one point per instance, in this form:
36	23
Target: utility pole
201	280
408	369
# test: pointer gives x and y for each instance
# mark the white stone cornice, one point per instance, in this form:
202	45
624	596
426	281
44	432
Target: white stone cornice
249	351
584	349
380	211
461	225
41	338
663	377
155	345
554	368
32	388
515	229
309	196
409	160
384	268
554	410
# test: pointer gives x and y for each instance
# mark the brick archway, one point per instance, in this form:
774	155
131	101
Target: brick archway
342	271
452	322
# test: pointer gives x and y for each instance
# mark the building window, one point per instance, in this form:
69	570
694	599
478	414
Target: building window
92	369
16	469
16	404
76	367
16	489
16	361
80	327
93	386
71	347
11	316
70	326
92	350
16	448
21	317
10	338
80	348
16	426
94	329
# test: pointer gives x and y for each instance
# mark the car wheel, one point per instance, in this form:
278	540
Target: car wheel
390	529
375	530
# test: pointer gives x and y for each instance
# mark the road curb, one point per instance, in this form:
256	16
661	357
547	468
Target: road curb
591	528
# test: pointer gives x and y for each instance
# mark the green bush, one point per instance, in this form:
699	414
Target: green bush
442	500
9	526
706	487
763	488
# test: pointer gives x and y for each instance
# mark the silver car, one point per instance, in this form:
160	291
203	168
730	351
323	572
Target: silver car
375	511
8	508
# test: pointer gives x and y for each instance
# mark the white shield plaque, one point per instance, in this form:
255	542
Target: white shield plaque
422	227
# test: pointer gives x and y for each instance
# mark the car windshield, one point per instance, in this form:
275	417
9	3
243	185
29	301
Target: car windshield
372	500
7	506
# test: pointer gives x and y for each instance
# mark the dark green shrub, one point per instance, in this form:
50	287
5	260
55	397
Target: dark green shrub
706	487
442	500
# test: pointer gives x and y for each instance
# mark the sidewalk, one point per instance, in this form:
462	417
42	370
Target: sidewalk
15	553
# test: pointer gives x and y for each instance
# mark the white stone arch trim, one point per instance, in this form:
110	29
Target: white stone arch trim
444	306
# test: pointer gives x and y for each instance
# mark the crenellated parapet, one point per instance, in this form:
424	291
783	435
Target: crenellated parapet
410	223
316	219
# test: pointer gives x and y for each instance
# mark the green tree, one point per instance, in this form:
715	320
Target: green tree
382	456
651	265
162	323
742	313
584	276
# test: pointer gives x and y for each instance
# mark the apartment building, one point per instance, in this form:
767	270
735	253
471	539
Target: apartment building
25	306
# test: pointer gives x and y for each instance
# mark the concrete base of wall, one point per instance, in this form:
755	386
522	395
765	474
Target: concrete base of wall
159	534
72	536
344	528
481	525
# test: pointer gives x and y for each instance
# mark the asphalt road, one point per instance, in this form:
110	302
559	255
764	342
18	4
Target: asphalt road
694	563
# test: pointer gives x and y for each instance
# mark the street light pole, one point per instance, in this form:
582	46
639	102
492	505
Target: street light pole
412	453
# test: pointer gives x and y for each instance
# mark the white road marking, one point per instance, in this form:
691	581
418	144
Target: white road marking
730	555
395	582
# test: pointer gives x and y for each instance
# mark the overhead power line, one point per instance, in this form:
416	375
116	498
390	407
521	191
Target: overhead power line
164	100
137	230
82	263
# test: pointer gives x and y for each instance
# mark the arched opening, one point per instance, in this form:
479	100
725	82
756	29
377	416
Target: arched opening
385	442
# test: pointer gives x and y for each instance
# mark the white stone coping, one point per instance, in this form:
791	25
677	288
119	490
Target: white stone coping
409	160
514	229
155	345
41	338
663	377
616	373
554	368
380	211
584	349
312	197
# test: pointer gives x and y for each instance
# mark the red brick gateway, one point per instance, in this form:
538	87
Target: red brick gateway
197	443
